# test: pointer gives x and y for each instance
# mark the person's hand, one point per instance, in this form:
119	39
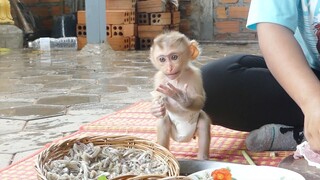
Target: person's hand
312	128
158	109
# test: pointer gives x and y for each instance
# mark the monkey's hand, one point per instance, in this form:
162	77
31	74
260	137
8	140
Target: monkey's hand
181	96
158	109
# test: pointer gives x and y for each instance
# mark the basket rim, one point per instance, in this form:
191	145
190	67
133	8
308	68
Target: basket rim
110	140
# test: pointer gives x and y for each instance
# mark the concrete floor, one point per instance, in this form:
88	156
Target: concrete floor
48	95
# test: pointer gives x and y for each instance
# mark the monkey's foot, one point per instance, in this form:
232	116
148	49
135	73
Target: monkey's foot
203	157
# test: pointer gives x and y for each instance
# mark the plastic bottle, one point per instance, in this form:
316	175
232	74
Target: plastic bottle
47	43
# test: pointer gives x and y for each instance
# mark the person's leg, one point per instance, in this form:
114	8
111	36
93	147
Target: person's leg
243	95
281	134
275	137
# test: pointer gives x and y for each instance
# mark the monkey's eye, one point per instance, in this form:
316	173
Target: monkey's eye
174	57
162	59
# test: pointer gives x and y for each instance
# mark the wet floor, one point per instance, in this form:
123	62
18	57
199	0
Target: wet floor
48	95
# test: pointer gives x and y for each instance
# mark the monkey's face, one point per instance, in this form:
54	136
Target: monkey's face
169	61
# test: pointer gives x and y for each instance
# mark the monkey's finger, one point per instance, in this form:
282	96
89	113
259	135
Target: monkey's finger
158	111
168	92
168	87
161	86
165	90
172	87
157	105
185	87
173	90
158	115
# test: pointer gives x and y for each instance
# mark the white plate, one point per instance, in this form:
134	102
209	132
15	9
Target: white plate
248	172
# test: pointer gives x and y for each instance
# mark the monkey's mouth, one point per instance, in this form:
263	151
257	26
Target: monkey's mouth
173	75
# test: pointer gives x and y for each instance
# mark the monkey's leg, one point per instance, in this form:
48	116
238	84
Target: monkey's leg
164	131
204	137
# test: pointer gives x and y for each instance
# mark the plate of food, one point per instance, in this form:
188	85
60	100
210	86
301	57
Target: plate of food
245	172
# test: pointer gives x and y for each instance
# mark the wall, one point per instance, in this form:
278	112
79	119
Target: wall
228	20
44	12
230	17
206	20
197	18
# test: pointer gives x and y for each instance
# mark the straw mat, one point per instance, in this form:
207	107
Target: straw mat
226	144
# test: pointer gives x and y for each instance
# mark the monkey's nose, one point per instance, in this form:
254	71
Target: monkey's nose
169	69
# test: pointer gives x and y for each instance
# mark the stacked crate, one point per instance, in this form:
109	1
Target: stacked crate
154	17
121	21
81	29
121	25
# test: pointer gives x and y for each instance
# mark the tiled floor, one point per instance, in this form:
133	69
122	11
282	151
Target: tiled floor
47	95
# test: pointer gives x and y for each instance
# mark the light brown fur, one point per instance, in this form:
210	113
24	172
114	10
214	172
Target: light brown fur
178	91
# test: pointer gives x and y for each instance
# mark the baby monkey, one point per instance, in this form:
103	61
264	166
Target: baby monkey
178	95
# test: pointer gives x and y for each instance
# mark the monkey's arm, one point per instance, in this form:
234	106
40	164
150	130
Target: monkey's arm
158	96
197	102
158	108
196	92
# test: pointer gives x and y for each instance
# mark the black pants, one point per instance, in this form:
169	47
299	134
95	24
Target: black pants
243	95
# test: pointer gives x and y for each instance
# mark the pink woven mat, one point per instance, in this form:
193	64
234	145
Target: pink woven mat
226	144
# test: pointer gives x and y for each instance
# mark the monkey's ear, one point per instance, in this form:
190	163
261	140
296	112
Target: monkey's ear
194	49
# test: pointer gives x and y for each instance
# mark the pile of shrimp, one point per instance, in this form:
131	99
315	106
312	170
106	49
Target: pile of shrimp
88	162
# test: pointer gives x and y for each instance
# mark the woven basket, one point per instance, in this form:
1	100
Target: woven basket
61	148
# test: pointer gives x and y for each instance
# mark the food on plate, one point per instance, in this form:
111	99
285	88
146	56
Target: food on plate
245	172
304	151
221	174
